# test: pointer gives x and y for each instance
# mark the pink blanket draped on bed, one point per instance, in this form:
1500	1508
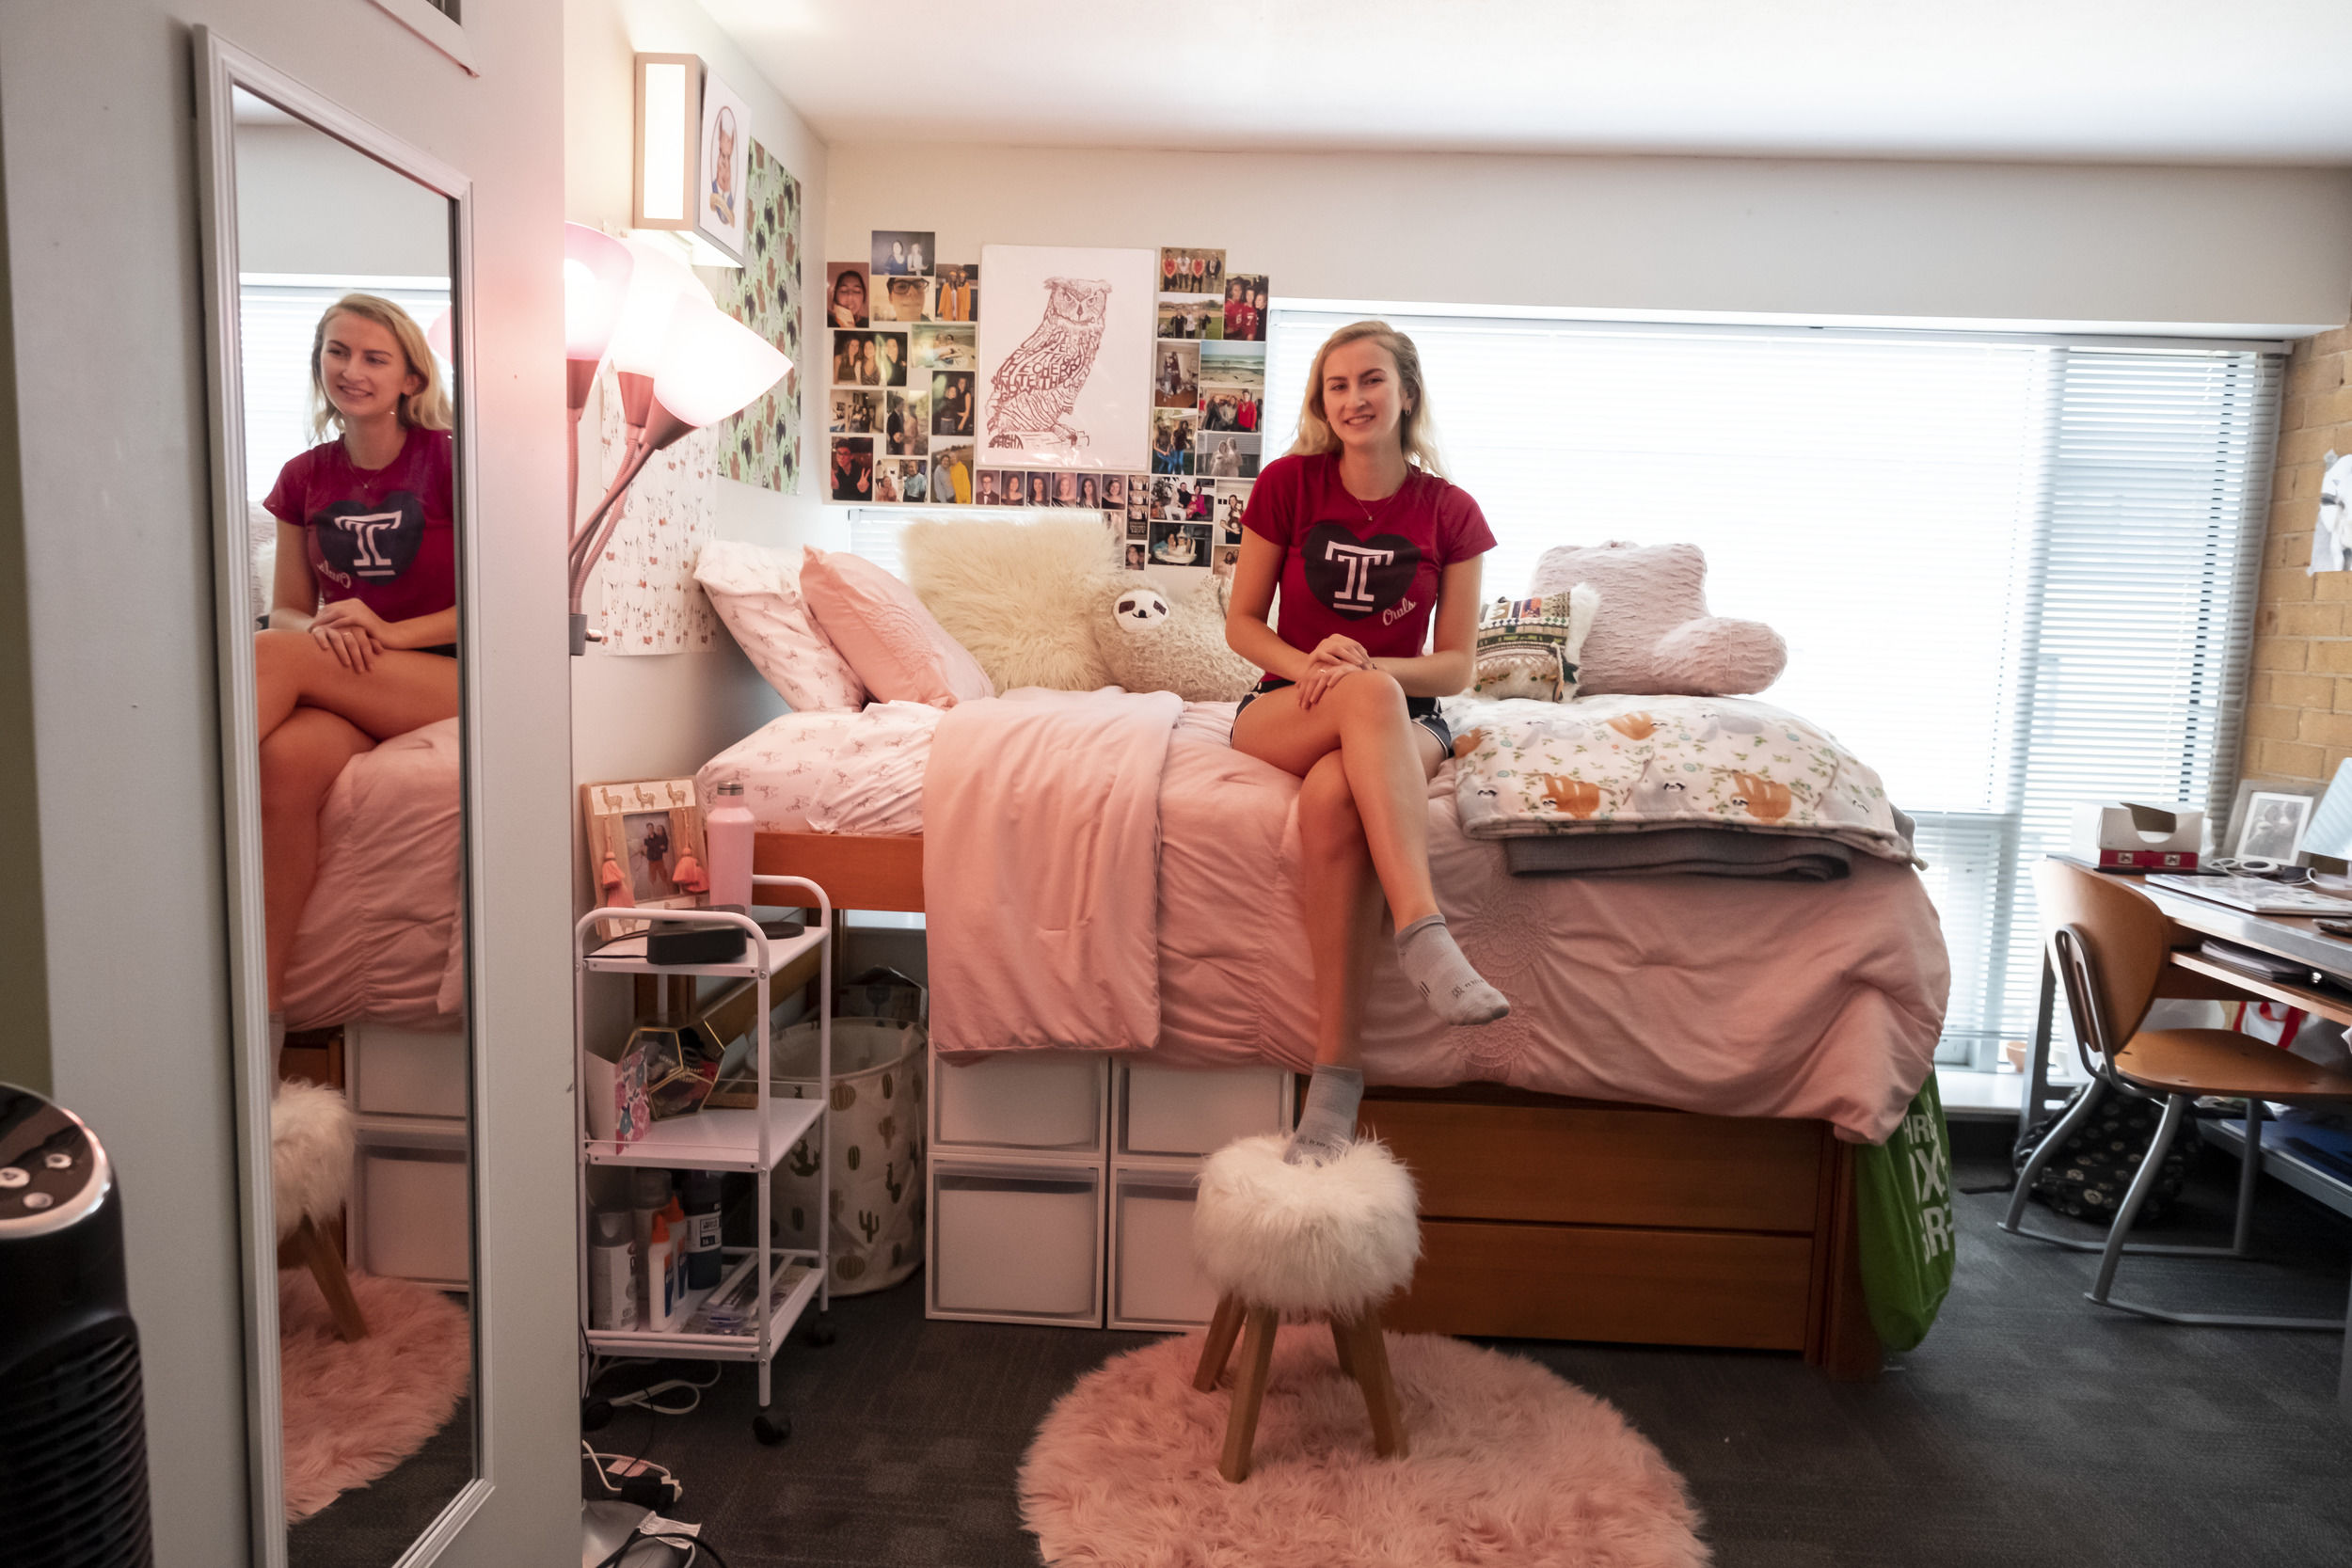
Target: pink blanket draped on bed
380	937
1040	869
1728	996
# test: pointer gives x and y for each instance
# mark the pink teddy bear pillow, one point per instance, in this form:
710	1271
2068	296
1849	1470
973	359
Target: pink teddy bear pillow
1653	636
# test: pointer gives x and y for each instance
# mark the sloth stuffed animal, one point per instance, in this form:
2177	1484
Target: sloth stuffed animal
1154	641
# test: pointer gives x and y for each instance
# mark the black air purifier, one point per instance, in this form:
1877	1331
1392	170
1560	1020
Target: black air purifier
72	1432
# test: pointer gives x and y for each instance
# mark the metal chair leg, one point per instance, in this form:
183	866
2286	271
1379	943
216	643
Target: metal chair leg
2143	1182
2250	1173
2013	1222
2075	1115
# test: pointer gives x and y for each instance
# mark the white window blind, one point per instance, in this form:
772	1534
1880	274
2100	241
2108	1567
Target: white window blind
278	315
2013	573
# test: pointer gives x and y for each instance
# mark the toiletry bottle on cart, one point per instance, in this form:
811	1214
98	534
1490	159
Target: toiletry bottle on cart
648	1195
699	1189
661	1277
612	1273
727	835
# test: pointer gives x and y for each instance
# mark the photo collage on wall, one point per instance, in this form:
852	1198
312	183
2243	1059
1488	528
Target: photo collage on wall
902	406
1208	400
899	409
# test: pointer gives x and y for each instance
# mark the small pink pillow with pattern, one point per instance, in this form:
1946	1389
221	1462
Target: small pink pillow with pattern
897	647
757	592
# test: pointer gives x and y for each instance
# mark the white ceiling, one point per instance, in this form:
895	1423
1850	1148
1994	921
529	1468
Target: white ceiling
2217	81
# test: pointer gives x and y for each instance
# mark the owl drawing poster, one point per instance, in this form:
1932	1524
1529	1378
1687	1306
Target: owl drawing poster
1065	348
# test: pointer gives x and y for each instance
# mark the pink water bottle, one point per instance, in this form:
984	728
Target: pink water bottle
729	831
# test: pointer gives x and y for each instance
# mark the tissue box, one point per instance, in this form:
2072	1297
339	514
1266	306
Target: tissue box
2117	836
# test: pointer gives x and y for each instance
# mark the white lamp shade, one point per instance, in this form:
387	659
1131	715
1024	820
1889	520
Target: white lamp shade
597	270
436	336
712	365
655	284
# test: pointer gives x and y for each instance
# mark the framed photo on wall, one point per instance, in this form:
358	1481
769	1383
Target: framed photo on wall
646	849
722	200
2271	818
1065	350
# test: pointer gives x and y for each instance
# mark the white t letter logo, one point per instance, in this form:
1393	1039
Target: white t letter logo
363	527
1358	563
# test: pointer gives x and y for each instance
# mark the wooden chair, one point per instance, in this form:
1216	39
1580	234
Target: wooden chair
2109	944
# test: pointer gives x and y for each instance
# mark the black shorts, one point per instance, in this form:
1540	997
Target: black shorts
1420	710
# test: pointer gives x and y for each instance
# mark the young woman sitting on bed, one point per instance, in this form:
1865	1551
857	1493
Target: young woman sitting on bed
363	525
1371	548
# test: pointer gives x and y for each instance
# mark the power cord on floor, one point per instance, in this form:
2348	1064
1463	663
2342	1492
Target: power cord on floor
596	1413
695	1548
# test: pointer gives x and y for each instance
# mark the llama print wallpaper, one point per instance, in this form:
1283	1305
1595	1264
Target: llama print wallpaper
762	445
1065	350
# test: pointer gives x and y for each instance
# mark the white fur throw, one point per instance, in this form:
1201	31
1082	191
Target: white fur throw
1154	641
1332	1238
310	1154
1020	595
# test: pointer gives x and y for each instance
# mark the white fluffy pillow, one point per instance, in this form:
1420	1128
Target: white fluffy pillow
1023	596
757	592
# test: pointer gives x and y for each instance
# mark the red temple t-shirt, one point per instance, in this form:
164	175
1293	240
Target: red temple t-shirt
1374	578
382	536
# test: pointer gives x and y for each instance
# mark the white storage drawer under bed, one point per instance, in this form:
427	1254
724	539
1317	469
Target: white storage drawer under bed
1186	1112
404	1072
1154	1283
1050	1102
411	1216
1016	1243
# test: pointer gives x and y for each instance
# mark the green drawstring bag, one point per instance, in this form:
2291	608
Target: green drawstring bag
1906	1214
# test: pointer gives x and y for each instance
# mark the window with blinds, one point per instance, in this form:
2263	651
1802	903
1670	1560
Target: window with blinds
2013	572
279	317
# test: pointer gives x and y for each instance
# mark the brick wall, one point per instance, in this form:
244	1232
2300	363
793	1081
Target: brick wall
2298	704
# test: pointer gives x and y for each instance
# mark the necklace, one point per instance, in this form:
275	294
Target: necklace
1371	516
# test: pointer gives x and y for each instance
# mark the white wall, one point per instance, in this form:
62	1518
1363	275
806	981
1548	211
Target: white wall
98	129
663	715
378	223
2264	249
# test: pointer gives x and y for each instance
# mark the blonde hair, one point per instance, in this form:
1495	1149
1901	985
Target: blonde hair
1415	431
427	408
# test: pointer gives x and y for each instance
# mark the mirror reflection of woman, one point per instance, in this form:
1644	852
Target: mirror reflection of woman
361	645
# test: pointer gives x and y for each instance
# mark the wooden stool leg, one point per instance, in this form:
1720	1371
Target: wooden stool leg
1370	1353
1339	1346
1241	1423
326	1267
1218	1345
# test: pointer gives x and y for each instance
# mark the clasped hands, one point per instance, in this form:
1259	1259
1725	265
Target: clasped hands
1333	659
353	633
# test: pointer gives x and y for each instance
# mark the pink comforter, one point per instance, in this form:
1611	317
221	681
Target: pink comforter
380	937
1720	995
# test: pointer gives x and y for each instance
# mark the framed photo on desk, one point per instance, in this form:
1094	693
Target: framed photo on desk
2270	819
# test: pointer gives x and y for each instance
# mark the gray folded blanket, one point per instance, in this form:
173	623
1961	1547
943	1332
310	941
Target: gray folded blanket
1680	851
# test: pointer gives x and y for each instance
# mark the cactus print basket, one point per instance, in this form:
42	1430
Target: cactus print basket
874	1143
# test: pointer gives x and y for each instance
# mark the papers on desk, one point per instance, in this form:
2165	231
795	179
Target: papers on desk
2255	961
2255	894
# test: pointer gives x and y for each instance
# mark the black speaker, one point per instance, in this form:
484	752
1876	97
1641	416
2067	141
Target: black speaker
72	1429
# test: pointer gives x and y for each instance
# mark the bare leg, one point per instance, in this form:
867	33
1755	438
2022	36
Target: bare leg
300	762
1342	910
405	691
1388	758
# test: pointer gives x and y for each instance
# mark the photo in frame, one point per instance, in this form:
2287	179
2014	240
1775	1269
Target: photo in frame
2271	818
722	200
1065	357
646	849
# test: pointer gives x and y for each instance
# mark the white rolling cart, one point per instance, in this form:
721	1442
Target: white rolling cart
753	1140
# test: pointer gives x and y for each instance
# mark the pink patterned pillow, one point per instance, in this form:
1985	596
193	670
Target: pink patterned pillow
757	592
897	647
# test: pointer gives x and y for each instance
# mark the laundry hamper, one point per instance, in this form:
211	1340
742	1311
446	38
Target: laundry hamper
875	1141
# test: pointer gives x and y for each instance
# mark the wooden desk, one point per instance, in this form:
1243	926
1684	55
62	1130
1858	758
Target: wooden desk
2192	973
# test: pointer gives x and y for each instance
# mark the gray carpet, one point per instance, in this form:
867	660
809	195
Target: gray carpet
2030	1428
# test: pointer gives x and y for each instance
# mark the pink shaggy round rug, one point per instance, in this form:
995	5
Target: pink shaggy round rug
1507	1464
352	1412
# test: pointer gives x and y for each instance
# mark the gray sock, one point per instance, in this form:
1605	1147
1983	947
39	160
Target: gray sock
1448	983
1326	1124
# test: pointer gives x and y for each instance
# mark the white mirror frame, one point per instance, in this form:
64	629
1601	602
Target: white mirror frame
222	69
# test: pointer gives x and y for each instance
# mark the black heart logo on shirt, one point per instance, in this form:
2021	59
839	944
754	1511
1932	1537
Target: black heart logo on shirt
370	541
1355	576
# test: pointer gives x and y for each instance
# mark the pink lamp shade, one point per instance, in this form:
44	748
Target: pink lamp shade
712	365
643	323
597	270
436	336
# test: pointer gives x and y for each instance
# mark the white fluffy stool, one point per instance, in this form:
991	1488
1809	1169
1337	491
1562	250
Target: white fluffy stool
1330	1241
311	1140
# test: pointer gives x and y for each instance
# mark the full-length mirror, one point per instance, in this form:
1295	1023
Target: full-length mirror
336	282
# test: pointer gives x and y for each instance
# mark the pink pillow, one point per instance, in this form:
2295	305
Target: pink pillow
897	647
1653	635
757	592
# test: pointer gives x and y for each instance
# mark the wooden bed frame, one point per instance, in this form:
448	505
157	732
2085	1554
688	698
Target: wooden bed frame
1552	1218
